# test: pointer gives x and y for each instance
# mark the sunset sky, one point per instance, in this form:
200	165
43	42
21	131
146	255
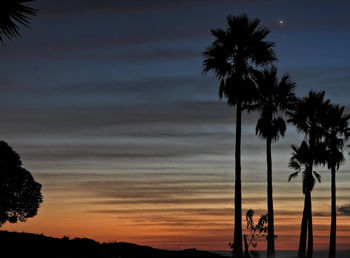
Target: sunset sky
107	106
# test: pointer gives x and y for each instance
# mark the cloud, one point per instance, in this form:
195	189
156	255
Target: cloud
166	54
106	6
193	211
90	36
344	210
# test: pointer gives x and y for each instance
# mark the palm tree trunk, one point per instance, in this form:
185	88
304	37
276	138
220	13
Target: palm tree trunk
238	195
270	224
310	244
332	238
303	231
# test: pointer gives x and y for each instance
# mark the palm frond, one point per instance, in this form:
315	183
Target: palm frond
293	175
295	165
318	176
12	14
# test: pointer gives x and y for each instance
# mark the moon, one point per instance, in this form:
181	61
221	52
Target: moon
281	21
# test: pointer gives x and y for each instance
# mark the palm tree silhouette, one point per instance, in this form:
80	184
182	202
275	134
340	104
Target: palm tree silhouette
300	162
337	132
233	56
308	116
273	99
13	13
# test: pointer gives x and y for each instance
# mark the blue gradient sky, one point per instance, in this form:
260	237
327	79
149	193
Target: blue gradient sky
106	104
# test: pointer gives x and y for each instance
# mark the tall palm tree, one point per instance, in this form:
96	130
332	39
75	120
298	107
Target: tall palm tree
12	14
233	56
337	131
308	116
273	99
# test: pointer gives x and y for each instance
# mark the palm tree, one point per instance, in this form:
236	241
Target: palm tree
337	132
300	163
13	13
273	99
233	56
308	116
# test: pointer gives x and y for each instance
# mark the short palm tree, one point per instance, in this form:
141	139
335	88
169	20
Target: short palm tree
12	14
273	99
300	163
337	131
308	117
233	56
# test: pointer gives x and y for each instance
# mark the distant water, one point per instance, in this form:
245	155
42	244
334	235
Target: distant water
292	254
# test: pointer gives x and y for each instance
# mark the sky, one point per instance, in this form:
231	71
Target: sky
107	105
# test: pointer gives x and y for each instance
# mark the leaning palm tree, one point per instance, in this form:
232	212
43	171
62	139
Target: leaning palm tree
233	56
337	131
308	116
274	97
12	14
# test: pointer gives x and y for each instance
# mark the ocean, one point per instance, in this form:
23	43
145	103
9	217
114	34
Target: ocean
291	254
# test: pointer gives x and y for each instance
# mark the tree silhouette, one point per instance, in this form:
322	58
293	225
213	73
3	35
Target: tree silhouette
308	116
337	132
233	56
13	13
256	231
20	194
273	99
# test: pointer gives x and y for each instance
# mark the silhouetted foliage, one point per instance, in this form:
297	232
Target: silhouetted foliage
12	14
274	97
336	133
299	163
20	194
234	55
308	114
256	231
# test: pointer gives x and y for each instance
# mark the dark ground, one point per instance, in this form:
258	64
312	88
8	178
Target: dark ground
32	245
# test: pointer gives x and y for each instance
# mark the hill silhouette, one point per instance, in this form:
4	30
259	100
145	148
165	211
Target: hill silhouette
34	245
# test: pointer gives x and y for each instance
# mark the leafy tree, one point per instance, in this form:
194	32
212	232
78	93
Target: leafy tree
12	14
234	56
274	97
256	231
20	194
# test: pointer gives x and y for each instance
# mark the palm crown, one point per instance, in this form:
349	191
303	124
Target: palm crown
235	53
299	162
273	98
308	113
13	13
336	132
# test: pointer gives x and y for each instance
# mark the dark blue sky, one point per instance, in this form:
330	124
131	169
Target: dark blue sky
117	52
108	62
115	88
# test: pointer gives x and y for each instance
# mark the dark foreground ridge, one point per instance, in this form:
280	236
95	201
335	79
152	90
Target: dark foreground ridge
33	245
